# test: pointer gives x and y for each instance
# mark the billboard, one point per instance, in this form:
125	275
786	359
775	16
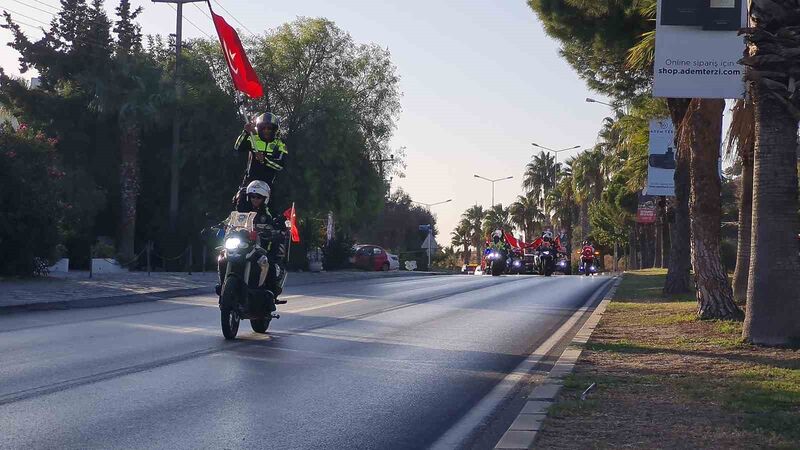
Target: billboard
646	212
661	158
698	49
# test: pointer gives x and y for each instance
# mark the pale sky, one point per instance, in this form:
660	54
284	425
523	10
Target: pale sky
480	82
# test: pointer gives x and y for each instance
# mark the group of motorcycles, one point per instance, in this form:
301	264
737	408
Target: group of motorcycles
545	260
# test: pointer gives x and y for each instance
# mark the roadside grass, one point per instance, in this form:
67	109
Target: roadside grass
667	380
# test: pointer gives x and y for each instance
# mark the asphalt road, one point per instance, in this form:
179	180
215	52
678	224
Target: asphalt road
381	363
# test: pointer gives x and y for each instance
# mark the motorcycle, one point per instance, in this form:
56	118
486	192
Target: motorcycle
545	259
588	266
496	261
242	295
562	264
515	262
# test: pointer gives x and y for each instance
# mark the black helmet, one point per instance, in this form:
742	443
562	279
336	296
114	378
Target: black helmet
267	125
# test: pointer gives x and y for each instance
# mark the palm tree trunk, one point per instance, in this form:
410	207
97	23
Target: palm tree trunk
129	191
773	291
702	132
745	230
678	281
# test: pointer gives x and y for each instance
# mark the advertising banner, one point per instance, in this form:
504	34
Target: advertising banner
661	158
646	212
697	49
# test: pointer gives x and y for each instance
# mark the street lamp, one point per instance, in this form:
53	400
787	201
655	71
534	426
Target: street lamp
432	204
554	151
430	227
493	182
591	100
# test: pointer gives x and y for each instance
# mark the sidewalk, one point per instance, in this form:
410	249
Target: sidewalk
77	290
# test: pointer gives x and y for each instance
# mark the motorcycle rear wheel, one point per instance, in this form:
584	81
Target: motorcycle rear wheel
260	325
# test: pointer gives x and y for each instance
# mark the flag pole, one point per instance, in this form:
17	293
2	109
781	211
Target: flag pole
291	224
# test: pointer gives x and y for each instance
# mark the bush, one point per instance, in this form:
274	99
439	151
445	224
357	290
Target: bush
31	201
337	253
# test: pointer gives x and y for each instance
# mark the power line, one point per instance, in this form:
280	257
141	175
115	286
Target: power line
234	17
202	11
190	22
82	40
48	5
32	7
23	15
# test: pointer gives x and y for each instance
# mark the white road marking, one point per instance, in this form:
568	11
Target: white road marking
325	305
455	436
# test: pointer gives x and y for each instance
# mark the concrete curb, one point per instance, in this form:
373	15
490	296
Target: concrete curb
522	432
114	300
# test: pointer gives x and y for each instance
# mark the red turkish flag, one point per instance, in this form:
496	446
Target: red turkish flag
242	73
292	218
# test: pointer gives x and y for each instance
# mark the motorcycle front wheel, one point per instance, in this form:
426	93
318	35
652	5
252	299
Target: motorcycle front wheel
230	323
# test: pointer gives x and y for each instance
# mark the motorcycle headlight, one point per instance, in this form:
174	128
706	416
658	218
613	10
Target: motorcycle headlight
562	263
592	268
545	252
232	243
516	263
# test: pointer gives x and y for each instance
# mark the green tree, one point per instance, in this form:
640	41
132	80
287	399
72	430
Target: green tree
474	215
461	236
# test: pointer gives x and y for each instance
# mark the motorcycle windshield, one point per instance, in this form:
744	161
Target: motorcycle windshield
242	221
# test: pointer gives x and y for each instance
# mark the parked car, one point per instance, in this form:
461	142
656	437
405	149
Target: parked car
373	257
469	269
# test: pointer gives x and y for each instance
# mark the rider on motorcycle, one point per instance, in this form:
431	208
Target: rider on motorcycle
266	153
258	193
587	253
498	241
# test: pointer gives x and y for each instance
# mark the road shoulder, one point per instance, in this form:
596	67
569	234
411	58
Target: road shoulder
663	379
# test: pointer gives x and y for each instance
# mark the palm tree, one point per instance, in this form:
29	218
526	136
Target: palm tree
741	142
497	218
540	175
526	214
642	55
462	237
474	216
588	179
773	304
701	132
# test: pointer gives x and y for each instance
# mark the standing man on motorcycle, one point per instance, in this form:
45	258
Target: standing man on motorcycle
266	153
257	197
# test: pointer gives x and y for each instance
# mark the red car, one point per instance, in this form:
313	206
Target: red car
372	257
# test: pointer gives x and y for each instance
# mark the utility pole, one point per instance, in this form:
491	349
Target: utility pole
176	124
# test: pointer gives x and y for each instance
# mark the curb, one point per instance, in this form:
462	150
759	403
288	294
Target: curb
115	300
521	434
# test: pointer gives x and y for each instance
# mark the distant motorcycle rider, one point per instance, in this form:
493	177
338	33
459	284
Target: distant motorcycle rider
266	153
257	196
587	253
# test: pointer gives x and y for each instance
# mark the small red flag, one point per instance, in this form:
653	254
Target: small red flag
242	73
292	218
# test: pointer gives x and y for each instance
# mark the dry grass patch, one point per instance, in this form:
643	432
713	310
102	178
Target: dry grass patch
667	380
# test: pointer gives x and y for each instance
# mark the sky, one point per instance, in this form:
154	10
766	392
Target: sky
480	81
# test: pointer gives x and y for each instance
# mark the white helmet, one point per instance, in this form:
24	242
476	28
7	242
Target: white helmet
497	233
547	234
259	187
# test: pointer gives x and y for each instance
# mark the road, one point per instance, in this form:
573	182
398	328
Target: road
378	363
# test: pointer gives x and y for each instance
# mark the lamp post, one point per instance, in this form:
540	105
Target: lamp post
430	227
554	151
493	182
591	100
